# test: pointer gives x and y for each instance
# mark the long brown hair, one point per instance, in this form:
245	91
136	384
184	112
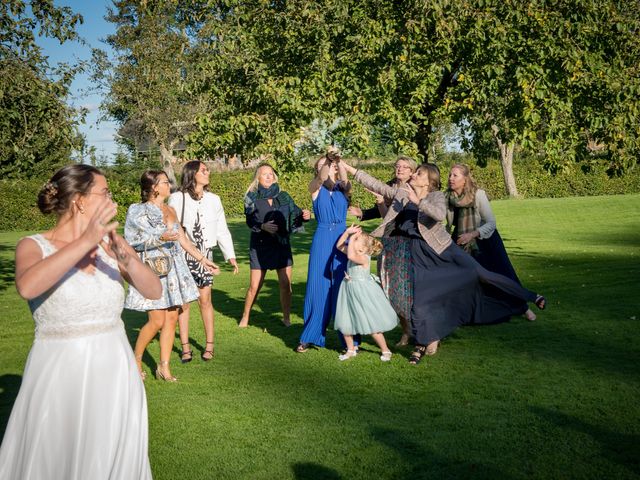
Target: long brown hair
188	180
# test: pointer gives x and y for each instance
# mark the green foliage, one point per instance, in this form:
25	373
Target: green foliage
20	211
37	128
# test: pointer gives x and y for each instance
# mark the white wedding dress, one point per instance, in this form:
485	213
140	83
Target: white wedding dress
81	412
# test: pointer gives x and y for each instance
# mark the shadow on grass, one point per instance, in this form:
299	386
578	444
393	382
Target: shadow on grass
9	387
313	471
7	266
266	313
419	461
621	448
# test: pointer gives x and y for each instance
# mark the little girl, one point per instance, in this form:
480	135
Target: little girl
362	305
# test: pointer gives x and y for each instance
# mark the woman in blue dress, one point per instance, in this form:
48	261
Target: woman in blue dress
329	190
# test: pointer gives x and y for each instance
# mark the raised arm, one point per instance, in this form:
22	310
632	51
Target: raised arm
343	177
131	267
321	176
35	275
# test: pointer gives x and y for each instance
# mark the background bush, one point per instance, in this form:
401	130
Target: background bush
20	212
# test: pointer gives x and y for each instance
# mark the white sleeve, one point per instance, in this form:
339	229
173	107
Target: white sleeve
175	202
225	242
487	218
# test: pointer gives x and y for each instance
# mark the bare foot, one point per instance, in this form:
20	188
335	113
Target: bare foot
286	322
244	323
404	340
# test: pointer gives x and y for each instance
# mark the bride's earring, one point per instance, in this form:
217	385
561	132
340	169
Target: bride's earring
78	206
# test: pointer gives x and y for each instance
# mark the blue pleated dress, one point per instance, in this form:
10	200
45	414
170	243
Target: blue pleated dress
326	265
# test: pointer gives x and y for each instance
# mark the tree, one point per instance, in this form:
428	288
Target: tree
38	128
147	82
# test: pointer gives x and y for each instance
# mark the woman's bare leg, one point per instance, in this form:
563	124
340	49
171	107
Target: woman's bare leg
256	279
147	333
206	310
183	324
284	279
167	337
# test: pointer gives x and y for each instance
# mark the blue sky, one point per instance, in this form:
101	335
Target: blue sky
100	134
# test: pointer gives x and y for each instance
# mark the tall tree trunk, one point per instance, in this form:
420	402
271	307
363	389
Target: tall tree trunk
506	161
422	141
168	159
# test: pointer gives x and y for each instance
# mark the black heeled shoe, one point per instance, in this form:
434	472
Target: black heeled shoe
187	355
541	302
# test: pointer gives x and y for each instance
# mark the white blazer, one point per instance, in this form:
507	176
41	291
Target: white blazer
212	220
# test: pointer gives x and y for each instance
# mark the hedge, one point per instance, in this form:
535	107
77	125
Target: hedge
20	212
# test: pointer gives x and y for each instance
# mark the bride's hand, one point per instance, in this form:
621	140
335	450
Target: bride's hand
99	224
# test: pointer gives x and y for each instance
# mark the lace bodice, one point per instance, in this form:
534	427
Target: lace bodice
80	303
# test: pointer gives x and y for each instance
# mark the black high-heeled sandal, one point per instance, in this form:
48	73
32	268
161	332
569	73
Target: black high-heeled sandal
417	354
207	351
187	355
541	302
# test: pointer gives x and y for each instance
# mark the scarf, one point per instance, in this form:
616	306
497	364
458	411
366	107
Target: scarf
279	198
464	216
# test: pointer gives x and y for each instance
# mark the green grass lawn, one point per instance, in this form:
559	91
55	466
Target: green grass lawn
555	398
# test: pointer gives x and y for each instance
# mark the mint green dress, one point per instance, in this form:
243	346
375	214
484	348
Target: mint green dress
362	307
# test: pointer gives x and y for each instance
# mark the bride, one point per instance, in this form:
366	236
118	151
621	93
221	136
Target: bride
81	411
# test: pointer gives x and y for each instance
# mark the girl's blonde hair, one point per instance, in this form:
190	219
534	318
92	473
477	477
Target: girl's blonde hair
372	245
470	185
253	186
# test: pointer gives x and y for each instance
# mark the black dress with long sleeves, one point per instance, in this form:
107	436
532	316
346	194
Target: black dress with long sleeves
271	251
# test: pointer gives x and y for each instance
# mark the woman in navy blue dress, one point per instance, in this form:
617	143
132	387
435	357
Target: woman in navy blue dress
329	190
272	216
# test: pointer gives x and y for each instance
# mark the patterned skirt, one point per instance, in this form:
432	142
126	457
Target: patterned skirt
200	275
394	266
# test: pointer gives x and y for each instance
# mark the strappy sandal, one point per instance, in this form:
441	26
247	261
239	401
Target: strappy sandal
162	376
417	354
207	351
302	347
187	355
541	302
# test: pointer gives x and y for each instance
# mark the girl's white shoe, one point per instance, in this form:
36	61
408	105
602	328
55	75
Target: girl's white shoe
347	355
386	356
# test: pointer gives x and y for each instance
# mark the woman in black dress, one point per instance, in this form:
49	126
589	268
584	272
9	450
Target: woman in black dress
271	215
472	224
449	285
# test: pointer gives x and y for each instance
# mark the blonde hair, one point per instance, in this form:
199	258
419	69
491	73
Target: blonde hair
372	245
253	186
408	160
470	185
